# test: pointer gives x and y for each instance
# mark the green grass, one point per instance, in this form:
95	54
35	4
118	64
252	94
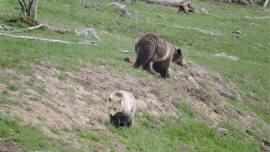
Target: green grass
185	109
178	135
251	73
92	141
31	137
205	139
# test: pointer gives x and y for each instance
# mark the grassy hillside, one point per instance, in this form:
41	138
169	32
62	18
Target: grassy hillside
201	36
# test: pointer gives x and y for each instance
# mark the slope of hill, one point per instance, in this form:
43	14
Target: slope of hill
53	96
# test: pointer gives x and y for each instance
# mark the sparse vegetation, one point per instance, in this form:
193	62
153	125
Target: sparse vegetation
31	137
183	108
176	135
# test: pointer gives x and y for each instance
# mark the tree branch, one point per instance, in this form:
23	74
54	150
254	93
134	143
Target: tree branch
47	40
265	3
23	8
32	9
30	4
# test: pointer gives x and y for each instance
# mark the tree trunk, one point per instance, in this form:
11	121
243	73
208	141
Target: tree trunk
265	3
23	6
32	9
29	9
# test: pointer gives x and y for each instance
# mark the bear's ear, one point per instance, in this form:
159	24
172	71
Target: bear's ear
179	51
119	94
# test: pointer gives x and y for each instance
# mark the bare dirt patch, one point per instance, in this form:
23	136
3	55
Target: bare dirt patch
10	146
204	91
2	87
76	99
207	92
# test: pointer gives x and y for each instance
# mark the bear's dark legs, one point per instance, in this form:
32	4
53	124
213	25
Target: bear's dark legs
146	66
162	68
126	121
149	67
158	68
164	73
120	120
129	123
136	65
144	53
115	121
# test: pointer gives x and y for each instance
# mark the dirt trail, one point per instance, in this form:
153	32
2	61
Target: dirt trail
76	99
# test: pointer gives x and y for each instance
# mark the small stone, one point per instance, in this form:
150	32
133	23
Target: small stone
118	5
125	12
253	24
266	142
231	96
237	32
117	145
88	32
124	51
62	31
96	6
222	131
227	57
204	11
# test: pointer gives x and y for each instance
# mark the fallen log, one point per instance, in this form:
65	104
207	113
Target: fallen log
47	40
174	3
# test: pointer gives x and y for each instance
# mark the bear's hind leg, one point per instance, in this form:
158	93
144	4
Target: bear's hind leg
162	68
149	67
115	121
146	66
129	123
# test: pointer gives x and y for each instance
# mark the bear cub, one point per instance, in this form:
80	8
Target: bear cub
121	107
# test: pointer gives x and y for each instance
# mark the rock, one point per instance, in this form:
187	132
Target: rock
118	5
222	131
204	11
123	11
226	56
132	1
62	31
231	96
226	1
124	51
237	32
89	32
266	143
96	6
193	81
244	2
171	71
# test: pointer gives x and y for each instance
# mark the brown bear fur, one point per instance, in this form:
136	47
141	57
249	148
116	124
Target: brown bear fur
155	54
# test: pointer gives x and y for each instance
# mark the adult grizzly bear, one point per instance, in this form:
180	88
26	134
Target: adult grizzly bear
155	54
122	107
